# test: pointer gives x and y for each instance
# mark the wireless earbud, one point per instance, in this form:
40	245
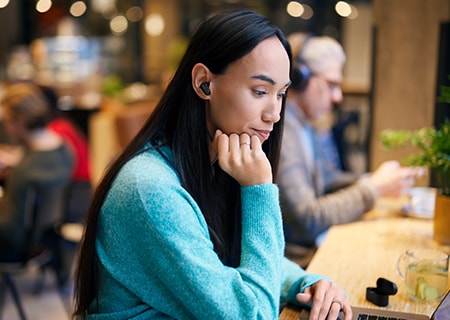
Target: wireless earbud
205	88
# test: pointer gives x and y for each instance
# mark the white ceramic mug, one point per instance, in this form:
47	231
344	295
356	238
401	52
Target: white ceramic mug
422	200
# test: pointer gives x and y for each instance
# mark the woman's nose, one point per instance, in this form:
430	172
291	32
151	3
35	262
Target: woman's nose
272	112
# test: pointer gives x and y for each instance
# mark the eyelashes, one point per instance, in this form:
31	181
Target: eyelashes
262	93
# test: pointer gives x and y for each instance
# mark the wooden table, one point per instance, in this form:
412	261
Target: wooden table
355	255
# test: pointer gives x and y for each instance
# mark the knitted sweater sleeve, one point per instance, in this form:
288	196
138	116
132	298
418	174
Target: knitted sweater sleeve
296	280
156	257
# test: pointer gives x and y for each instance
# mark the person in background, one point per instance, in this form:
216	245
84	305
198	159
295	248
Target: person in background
45	162
186	223
80	190
315	193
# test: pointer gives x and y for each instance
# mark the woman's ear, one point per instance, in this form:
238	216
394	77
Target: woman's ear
200	81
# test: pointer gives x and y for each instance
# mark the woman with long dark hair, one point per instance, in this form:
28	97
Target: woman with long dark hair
186	223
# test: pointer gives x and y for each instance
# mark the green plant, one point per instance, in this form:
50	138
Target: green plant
433	145
445	93
112	86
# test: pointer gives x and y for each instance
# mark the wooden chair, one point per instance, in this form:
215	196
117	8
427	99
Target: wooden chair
43	212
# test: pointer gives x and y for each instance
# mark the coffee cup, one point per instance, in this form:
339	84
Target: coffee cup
422	200
425	271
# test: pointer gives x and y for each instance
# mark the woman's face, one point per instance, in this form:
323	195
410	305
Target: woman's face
247	98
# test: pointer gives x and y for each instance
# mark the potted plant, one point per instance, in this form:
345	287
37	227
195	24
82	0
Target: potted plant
433	145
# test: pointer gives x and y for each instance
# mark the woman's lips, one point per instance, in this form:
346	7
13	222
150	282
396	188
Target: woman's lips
263	134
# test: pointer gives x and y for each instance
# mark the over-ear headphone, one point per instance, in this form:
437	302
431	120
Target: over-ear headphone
205	88
300	73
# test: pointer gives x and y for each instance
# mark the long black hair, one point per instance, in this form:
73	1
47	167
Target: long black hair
179	120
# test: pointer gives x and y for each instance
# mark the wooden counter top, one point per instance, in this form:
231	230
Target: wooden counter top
355	255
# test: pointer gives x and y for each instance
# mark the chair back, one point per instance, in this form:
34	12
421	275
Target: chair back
44	210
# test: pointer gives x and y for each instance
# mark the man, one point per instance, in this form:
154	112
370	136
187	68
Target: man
315	193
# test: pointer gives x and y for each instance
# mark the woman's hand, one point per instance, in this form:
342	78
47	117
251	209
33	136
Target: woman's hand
242	157
327	301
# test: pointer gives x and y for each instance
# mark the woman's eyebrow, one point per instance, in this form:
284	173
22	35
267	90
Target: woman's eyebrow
264	78
268	79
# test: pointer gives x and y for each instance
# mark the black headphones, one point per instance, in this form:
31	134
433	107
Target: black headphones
300	73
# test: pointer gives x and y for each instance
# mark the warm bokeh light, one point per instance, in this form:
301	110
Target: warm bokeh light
77	9
308	12
136	91
354	13
118	25
135	14
154	24
295	9
343	9
43	6
3	3
103	6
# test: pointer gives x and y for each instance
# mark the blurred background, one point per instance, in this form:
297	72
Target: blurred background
139	40
109	54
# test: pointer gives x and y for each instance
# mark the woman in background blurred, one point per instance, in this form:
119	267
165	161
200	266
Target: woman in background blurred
80	190
46	163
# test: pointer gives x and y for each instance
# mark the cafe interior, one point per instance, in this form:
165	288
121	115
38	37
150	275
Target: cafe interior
109	61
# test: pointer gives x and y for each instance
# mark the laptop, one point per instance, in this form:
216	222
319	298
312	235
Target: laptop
442	312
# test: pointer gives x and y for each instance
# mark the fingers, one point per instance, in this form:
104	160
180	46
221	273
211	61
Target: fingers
327	299
335	309
408	177
392	180
234	145
221	142
304	298
244	141
242	157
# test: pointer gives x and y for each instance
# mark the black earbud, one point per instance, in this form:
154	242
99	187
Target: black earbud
205	88
385	286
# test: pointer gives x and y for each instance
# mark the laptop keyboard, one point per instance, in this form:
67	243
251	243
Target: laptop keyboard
362	316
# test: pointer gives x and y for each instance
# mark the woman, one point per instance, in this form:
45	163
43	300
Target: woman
186	223
80	190
44	168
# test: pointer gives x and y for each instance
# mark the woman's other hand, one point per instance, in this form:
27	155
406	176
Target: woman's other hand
327	299
242	157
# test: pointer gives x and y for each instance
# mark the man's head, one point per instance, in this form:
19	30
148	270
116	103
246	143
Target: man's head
317	73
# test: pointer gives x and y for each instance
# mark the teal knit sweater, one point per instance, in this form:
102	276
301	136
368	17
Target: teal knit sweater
156	258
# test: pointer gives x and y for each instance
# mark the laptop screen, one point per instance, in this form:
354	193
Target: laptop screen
443	310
